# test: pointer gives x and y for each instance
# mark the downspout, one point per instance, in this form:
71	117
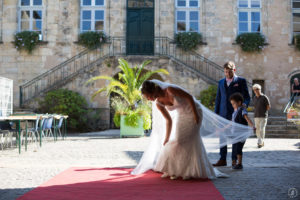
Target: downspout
109	18
1	20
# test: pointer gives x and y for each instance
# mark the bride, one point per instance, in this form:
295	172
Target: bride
184	121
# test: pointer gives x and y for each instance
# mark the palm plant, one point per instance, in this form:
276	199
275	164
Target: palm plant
127	86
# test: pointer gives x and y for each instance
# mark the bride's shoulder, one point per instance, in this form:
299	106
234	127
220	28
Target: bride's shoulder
178	92
159	103
173	89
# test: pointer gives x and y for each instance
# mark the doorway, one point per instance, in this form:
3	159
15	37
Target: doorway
140	27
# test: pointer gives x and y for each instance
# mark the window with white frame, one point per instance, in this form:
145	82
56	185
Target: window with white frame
249	16
92	15
296	17
187	16
31	16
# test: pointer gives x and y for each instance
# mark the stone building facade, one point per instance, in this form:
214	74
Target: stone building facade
219	21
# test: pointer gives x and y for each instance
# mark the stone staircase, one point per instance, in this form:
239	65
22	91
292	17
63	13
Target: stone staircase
278	127
116	46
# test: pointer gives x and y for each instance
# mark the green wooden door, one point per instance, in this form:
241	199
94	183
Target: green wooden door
140	30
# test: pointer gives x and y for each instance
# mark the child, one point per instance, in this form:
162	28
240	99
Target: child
239	116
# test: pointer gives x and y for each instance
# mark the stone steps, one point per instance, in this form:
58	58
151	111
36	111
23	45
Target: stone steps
278	127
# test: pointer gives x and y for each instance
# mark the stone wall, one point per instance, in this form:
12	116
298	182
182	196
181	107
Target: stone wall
109	67
218	24
273	64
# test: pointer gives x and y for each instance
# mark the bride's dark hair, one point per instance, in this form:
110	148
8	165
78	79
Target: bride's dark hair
149	87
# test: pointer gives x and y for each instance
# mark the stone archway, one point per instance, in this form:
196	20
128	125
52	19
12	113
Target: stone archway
292	76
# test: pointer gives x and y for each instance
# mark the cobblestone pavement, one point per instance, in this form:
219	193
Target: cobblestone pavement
269	173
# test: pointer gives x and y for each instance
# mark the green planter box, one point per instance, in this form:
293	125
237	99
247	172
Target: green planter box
128	131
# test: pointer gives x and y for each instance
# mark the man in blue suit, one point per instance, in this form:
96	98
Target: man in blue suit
227	86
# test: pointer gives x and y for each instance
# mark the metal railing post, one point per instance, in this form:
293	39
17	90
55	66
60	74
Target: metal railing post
21	96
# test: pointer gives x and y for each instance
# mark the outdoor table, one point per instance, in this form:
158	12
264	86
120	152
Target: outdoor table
29	117
18	119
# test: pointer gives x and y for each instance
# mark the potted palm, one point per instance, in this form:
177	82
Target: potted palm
132	114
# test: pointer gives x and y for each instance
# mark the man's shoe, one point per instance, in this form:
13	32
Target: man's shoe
261	145
233	163
238	166
220	163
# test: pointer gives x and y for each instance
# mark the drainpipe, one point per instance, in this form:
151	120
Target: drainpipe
1	20
21	96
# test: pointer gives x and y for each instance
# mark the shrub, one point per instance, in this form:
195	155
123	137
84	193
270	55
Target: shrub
91	39
67	102
188	40
251	42
26	40
297	41
208	97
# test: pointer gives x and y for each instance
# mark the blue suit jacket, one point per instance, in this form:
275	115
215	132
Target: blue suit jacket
223	106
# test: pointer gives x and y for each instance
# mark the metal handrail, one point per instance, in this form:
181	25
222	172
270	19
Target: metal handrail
68	69
55	68
290	103
116	46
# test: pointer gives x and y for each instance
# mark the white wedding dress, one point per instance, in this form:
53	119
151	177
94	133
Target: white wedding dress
185	154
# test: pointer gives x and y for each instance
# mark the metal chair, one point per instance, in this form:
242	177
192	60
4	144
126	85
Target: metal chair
59	125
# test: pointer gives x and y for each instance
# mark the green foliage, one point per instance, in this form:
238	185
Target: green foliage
142	109
188	40
26	40
251	42
132	118
91	39
297	41
147	121
63	101
208	97
117	119
127	86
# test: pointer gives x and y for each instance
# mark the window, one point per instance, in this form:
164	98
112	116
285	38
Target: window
296	17
92	15
31	16
249	16
187	16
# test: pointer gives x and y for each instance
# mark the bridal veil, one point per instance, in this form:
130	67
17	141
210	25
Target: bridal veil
215	131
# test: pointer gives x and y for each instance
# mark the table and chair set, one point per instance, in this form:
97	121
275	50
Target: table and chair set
15	129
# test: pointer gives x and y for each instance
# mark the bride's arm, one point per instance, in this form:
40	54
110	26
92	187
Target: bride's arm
190	98
168	118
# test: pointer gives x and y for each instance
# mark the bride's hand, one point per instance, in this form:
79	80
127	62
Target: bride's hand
166	141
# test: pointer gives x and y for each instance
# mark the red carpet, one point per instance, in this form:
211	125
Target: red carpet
118	184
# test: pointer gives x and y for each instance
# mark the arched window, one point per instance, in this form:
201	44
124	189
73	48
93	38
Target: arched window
187	15
31	16
92	16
